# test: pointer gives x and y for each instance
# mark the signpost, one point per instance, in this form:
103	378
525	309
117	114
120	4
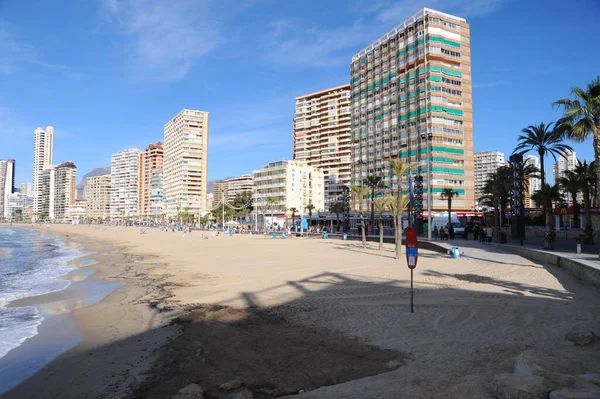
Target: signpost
412	255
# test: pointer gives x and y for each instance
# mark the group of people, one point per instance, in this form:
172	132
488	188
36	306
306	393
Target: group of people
444	233
481	233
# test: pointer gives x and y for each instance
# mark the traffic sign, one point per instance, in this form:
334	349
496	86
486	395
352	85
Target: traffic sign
412	255
412	248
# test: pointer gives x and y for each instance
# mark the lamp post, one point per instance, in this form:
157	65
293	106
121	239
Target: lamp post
428	136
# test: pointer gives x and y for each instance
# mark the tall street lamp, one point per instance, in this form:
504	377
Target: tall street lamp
428	136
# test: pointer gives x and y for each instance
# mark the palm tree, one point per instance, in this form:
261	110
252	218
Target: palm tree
545	140
338	209
293	210
381	204
496	190
400	169
270	202
586	174
572	183
310	208
396	206
547	196
360	192
374	183
582	119
448	194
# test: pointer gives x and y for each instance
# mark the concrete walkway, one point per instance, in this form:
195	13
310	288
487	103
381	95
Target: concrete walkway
584	266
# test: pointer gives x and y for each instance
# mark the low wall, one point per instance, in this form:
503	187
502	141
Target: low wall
580	270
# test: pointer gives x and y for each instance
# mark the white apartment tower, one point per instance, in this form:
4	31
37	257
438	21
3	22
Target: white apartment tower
56	192
124	183
486	163
291	184
568	162
322	137
26	190
7	184
42	159
64	191
186	162
535	183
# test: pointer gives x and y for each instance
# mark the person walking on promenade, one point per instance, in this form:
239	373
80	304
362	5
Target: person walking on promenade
489	234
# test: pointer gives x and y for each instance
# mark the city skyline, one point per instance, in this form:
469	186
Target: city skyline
255	126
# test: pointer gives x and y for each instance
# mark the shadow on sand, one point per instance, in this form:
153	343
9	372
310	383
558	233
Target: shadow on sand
263	347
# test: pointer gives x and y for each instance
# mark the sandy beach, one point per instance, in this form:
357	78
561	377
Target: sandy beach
325	317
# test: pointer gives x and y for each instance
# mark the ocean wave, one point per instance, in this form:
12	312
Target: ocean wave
6	231
16	326
33	268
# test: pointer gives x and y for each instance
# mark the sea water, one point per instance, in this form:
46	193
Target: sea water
30	263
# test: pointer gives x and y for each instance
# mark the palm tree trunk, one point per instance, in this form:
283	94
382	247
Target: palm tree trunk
549	235
362	225
449	212
398	222
380	232
596	142
589	233
543	171
372	206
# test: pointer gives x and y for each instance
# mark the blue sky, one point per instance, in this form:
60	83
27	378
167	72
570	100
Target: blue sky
108	74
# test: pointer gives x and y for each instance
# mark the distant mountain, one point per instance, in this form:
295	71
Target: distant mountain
94	172
211	186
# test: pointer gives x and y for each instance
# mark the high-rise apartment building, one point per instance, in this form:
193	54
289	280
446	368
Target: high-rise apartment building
151	162
26	189
239	185
562	164
322	137
42	159
18	208
97	193
124	183
410	88
186	162
56	192
7	184
291	184
220	191
45	195
533	183
157	196
486	163
64	190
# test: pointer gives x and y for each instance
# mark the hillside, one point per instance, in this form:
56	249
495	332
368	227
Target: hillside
94	172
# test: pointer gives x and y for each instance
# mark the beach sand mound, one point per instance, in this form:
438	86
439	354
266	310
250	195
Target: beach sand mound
261	349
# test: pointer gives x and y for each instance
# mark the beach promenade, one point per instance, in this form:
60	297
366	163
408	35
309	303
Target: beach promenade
326	318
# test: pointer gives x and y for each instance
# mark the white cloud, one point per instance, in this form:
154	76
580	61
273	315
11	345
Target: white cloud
294	44
290	43
164	37
16	53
